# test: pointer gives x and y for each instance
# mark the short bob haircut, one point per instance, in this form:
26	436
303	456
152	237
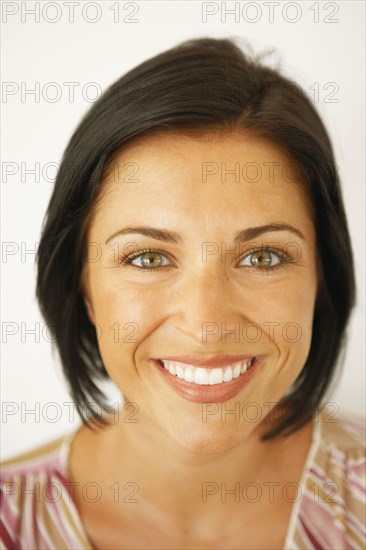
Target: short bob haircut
201	85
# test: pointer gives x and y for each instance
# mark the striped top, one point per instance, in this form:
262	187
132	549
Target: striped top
38	512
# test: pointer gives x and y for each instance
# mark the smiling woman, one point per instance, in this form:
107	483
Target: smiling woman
226	251
163	283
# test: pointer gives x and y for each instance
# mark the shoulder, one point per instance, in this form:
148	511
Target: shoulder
342	430
43	457
34	492
332	510
342	453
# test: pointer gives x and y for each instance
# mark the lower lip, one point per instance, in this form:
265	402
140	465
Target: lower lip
206	393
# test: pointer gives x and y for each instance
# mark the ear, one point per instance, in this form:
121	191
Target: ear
89	310
85	293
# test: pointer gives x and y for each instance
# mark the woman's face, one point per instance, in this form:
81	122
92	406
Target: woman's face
205	207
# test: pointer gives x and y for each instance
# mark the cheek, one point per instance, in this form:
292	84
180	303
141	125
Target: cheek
287	334
292	303
285	315
124	317
296	330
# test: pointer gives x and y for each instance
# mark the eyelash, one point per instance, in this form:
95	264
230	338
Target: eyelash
283	257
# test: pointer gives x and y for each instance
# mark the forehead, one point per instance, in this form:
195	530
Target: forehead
229	170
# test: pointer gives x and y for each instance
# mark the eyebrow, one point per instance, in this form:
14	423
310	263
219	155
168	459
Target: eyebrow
173	237
253	232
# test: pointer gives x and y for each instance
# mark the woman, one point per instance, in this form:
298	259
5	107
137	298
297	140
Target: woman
196	251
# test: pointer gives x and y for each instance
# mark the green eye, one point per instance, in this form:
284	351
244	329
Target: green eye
265	260
148	260
262	258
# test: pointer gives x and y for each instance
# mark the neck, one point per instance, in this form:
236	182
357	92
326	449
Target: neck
182	493
180	481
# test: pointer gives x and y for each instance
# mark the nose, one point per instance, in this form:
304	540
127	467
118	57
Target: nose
207	307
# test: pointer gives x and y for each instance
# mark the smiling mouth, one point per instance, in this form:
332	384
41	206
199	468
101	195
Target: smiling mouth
207	376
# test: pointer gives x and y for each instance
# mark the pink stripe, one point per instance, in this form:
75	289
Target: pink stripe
62	480
358	529
6	539
318	513
358	469
33	516
60	521
12	519
42	543
42	533
304	537
347	479
322	527
359	426
319	475
44	462
324	522
338	457
353	483
340	508
311	537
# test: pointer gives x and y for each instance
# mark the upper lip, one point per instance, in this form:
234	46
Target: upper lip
200	360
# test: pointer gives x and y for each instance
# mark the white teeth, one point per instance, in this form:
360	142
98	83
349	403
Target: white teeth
180	372
245	367
215	377
236	370
228	374
202	376
188	374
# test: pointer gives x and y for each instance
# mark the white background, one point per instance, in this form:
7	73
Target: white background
314	51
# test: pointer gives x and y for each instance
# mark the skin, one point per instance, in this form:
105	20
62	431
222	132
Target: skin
170	452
